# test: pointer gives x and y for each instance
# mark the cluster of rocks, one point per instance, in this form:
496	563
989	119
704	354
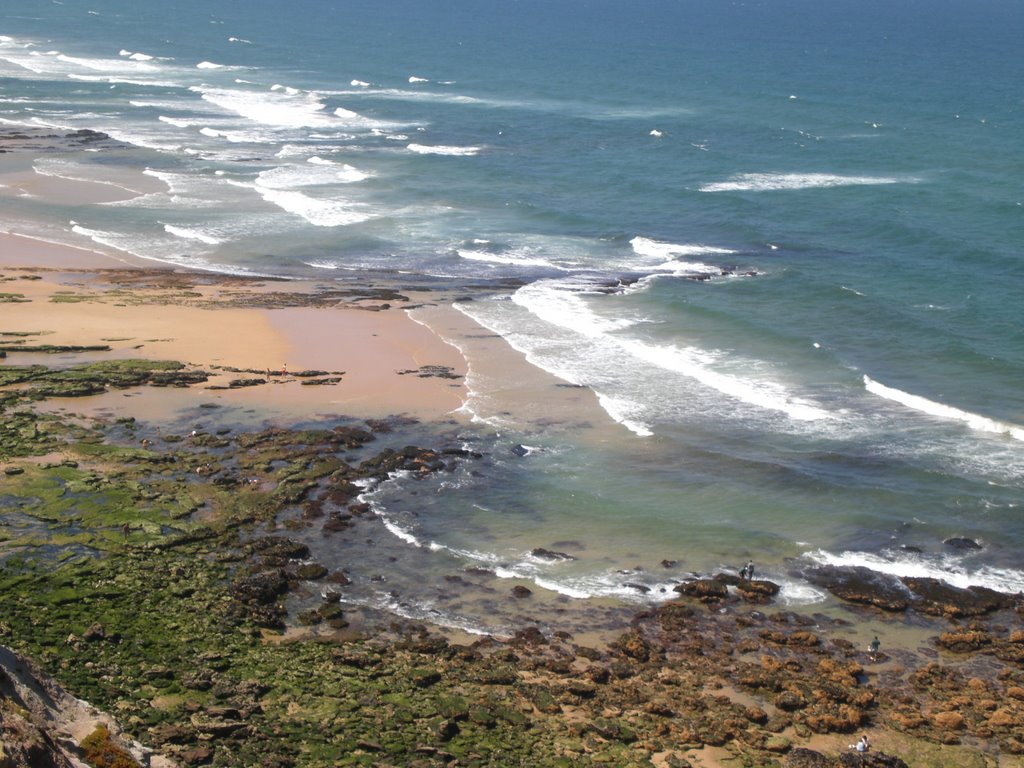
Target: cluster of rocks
169	630
39	382
432	371
27	139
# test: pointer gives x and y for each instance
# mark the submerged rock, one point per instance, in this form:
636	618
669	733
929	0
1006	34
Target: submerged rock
548	554
857	584
962	543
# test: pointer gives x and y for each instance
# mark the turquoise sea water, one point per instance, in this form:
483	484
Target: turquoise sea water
844	387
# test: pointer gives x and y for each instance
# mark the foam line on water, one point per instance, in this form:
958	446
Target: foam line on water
191	234
762	182
566	309
449	151
943	411
645	246
276	109
514	258
63	169
122	243
625	413
318	212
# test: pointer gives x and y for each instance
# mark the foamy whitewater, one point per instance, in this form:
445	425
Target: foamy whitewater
780	246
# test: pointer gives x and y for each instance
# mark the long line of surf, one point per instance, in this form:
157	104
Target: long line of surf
923	404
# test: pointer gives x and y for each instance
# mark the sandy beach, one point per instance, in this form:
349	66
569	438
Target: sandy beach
387	363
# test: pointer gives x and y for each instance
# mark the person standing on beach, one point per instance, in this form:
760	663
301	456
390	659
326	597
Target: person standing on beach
750	569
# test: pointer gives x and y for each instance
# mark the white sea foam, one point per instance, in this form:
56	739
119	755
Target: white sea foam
943	411
112	66
201	190
191	234
793	592
644	246
65	169
270	108
152	249
625	412
514	258
177	123
124	80
136	56
208	65
360	84
753	391
319	212
239	40
313	173
760	182
54	64
667	256
424	149
234	137
562	306
398	531
947	568
424	611
414	79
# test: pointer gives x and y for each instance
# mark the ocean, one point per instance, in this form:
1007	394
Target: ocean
780	244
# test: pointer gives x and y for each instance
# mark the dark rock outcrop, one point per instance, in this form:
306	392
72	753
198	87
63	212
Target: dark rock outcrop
862	585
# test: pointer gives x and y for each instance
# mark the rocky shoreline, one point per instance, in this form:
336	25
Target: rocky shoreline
154	573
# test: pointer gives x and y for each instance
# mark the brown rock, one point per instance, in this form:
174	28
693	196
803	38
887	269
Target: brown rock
806	758
964	642
675	616
755	715
948	721
634	646
908	721
757	590
95	632
789	701
804	639
705	590
1003	718
938	598
197	756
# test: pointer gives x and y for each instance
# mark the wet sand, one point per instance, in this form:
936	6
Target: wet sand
378	351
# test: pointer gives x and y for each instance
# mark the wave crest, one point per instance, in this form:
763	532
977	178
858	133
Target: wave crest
943	411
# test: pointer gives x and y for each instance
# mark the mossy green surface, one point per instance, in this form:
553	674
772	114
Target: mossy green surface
39	382
121	631
111	583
